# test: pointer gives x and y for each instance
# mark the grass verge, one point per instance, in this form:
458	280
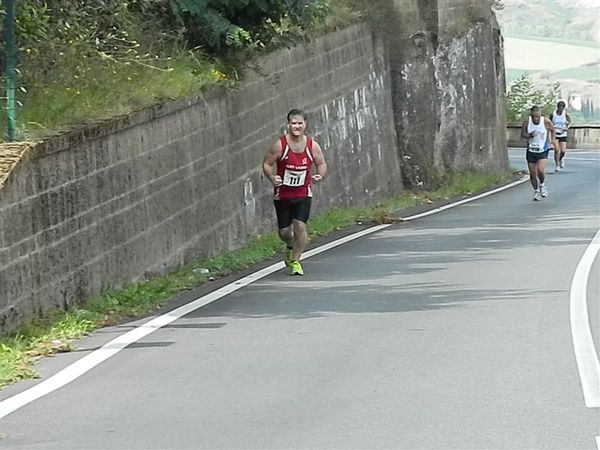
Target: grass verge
65	88
54	334
99	90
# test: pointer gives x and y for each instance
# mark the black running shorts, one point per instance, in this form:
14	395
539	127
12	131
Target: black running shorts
535	157
288	210
562	139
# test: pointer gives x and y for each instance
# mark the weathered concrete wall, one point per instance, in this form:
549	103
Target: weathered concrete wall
579	136
447	68
99	208
96	209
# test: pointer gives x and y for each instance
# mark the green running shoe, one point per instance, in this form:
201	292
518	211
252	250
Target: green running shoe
287	258
296	268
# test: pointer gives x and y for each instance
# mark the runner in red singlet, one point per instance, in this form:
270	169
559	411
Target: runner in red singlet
292	156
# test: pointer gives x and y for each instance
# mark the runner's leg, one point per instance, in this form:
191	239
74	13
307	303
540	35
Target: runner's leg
300	239
284	211
541	170
301	213
563	150
533	174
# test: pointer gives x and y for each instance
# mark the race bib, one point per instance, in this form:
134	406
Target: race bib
536	148
559	130
293	178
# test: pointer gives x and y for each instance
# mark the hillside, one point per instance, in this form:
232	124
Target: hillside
555	41
560	19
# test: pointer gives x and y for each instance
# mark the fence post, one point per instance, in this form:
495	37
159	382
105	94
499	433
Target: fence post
9	39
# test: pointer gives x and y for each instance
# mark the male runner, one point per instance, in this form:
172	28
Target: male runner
561	121
292	156
535	129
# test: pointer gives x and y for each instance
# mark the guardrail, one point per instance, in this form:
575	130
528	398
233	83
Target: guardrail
579	136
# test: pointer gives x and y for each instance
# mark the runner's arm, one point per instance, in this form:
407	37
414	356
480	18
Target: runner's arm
552	130
524	133
269	161
319	161
568	120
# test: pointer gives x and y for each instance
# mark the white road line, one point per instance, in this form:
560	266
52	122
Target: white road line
88	362
598	442
583	342
466	200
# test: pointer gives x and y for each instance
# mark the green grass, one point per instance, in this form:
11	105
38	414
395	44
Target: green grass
19	350
590	73
585	73
67	90
98	90
555	40
515	74
533	54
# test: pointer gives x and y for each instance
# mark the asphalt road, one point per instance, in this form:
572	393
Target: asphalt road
451	332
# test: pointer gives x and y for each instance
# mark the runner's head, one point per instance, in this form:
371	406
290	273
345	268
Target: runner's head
296	122
560	106
536	114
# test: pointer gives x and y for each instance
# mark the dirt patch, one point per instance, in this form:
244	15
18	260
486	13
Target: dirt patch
10	155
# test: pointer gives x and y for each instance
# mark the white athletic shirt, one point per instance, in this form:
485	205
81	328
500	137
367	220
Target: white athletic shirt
560	123
537	144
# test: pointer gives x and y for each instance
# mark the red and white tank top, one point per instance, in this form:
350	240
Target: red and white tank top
294	170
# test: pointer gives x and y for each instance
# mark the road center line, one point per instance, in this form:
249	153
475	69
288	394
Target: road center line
110	349
583	342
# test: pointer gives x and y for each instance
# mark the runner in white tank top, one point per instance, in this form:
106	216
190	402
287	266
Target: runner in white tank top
536	129
561	121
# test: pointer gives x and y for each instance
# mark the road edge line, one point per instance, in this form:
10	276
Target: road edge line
111	348
581	334
466	200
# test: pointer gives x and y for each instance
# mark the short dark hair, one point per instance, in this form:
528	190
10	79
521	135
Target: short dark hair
296	112
561	103
534	109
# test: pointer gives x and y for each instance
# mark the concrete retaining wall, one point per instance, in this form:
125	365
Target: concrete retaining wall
579	136
448	86
98	208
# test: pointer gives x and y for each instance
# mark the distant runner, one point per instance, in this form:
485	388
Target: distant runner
561	121
535	129
292	156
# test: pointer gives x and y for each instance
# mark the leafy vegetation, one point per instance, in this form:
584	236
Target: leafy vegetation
513	75
56	333
84	60
522	95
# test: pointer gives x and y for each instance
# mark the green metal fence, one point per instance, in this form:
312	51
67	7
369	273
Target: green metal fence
9	42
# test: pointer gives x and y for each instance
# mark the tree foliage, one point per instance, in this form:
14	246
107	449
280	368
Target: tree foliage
522	95
142	31
217	25
74	46
213	25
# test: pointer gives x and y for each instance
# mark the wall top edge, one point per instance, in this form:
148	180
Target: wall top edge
62	140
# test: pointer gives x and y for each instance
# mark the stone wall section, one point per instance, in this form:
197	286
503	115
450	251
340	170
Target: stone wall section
585	137
447	74
98	208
